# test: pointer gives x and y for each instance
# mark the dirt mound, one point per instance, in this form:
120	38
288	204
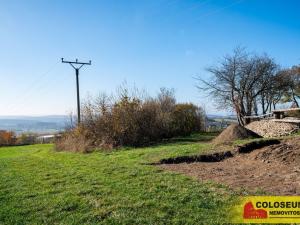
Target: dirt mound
274	169
269	128
288	152
234	132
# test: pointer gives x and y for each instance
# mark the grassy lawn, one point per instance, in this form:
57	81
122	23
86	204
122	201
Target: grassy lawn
41	186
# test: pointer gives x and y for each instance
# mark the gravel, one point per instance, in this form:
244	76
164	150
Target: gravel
269	128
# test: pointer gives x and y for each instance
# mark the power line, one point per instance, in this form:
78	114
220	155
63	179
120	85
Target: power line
30	90
73	64
42	90
220	9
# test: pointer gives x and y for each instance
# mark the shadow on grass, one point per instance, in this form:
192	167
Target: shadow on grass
195	137
201	137
220	156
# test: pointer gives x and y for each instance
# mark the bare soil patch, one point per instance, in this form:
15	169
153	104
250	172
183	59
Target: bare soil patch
274	169
235	132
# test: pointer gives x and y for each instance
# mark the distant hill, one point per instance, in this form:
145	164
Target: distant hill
219	122
220	116
36	124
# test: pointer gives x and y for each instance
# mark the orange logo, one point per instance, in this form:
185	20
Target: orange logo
251	213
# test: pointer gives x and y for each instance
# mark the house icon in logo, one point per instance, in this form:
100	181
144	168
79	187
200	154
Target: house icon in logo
251	213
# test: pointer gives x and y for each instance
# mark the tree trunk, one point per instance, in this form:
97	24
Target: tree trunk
294	98
240	119
255	109
243	113
263	104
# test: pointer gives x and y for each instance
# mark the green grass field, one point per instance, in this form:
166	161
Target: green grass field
41	186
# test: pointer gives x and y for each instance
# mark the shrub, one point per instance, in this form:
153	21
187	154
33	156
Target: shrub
7	138
131	121
75	140
187	118
26	139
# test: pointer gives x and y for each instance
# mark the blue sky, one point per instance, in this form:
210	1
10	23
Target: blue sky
152	44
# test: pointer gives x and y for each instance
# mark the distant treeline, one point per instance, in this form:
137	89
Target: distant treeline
9	138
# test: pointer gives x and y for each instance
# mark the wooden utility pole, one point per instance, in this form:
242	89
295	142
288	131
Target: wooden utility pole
73	64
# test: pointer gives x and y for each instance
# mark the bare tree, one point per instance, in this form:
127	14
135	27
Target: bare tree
223	85
292	77
239	80
270	85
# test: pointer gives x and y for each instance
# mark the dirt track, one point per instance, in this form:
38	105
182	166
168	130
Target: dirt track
274	169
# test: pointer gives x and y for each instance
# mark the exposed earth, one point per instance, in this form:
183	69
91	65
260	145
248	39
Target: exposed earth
274	169
234	132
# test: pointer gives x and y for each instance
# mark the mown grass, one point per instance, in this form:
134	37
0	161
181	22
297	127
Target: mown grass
41	186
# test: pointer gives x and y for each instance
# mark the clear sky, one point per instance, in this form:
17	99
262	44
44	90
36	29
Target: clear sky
149	43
